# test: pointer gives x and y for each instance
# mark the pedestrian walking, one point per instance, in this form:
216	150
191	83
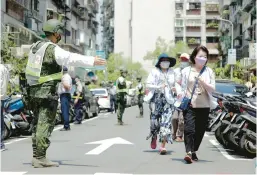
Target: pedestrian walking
198	81
162	85
43	73
4	79
140	96
178	119
112	92
121	95
65	98
78	101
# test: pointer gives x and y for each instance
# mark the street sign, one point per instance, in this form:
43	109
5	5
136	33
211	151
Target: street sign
231	56
101	54
105	144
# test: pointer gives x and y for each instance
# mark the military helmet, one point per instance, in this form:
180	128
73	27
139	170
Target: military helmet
53	26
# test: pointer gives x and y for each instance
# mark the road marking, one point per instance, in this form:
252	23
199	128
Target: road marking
12	173
55	129
105	144
224	152
111	174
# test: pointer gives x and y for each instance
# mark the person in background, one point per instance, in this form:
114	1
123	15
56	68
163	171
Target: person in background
112	92
78	100
161	83
140	95
4	79
178	119
122	91
65	98
196	117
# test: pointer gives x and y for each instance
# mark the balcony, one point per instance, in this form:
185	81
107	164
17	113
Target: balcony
179	32
193	41
193	23
212	25
212	8
247	5
20	3
179	13
76	10
194	12
193	33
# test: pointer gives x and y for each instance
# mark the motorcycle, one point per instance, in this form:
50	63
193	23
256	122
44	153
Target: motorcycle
235	126
21	119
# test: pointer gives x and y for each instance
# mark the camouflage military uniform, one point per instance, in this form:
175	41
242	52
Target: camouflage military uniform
140	95
44	102
121	96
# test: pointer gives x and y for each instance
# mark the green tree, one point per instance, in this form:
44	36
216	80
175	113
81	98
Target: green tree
162	46
18	65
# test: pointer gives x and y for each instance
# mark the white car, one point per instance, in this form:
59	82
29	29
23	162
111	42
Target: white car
103	98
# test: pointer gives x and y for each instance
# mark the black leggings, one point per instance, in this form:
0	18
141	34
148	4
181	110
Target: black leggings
195	122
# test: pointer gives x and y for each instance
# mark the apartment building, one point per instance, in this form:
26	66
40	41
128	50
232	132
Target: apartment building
24	19
107	23
79	18
99	36
196	23
21	20
242	13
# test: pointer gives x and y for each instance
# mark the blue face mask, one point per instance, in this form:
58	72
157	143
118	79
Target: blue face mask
184	64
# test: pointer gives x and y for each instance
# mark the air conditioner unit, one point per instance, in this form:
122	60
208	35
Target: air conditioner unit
178	29
77	42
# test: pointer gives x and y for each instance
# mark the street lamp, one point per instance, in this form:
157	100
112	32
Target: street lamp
232	40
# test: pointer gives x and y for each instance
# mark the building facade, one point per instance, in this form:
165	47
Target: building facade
25	18
242	13
21	20
196	23
107	23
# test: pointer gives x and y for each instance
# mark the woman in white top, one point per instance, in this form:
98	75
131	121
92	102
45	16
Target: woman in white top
161	83
196	117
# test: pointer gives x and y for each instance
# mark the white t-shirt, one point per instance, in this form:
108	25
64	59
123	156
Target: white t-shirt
4	79
66	78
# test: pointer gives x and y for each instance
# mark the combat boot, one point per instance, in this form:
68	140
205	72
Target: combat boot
42	163
120	122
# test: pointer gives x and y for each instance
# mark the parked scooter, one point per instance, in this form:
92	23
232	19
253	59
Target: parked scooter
21	119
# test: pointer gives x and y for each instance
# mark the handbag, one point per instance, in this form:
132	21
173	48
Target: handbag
184	105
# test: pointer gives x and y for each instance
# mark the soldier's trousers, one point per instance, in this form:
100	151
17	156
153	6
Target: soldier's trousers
44	111
121	101
140	104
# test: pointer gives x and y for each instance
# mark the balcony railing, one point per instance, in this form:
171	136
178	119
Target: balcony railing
194	12
193	41
76	10
36	15
212	7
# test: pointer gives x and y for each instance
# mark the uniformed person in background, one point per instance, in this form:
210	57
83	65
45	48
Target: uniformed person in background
140	95
78	101
121	95
43	73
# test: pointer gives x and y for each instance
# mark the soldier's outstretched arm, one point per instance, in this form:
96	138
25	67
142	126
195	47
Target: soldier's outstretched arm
64	57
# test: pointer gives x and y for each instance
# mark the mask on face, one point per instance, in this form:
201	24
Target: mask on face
58	38
200	61
165	64
184	64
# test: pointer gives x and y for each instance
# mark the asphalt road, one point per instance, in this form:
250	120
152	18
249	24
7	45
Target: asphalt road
130	155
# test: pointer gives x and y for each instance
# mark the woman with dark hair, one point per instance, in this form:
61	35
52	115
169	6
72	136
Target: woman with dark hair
161	85
200	79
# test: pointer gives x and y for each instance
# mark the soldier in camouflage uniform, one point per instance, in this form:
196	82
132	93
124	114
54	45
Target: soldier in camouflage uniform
140	95
43	73
121	95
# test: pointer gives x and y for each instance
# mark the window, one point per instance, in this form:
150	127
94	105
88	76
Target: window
179	6
73	34
35	5
212	39
179	22
193	6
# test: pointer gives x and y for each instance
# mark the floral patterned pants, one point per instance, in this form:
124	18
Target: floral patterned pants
161	115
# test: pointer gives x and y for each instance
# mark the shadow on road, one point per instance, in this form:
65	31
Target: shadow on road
61	163
157	151
183	161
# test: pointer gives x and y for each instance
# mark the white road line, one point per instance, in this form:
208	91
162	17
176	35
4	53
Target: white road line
224	152
206	135
111	174
55	129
